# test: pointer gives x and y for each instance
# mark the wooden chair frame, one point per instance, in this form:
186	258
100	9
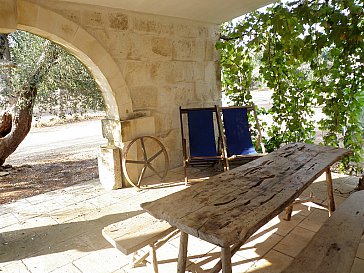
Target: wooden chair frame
202	160
259	142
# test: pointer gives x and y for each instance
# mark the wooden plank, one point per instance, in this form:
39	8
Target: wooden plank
334	246
136	232
230	207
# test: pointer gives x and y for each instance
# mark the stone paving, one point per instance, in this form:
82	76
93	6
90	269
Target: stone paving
60	231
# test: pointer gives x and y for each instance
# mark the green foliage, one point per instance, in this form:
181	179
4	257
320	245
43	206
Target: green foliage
66	87
312	56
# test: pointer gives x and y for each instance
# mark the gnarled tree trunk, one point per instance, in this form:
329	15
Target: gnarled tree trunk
15	123
21	121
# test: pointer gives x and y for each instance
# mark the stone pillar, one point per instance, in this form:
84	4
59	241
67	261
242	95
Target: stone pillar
8	16
109	163
109	157
119	134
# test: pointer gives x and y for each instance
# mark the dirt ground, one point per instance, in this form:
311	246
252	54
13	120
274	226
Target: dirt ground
27	180
51	158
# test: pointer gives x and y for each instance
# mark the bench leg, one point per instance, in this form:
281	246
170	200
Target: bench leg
158	244
182	255
289	210
153	256
226	260
330	192
132	259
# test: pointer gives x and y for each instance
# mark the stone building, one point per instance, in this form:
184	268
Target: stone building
148	57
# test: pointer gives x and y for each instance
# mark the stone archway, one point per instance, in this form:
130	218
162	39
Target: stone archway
31	17
36	19
145	64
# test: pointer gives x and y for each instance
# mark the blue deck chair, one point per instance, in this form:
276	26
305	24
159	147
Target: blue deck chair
238	141
200	148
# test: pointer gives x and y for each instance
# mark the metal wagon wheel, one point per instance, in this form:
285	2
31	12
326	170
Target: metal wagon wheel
153	151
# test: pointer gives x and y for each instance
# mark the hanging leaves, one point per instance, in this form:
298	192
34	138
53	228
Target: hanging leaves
310	53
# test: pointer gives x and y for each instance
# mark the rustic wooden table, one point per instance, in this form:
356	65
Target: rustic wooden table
228	208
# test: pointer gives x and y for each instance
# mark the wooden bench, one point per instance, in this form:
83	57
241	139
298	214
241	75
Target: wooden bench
134	233
334	246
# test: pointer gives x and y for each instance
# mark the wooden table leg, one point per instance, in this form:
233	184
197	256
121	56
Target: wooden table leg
330	192
226	260
361	183
182	255
233	250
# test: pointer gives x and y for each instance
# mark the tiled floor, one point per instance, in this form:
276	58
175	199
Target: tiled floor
60	231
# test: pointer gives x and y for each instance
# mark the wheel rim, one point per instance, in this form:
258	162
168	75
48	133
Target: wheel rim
146	161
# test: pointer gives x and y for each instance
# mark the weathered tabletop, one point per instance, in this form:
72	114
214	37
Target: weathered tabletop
230	207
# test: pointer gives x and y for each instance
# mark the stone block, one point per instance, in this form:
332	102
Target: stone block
111	130
140	47
207	93
145	24
109	163
212	71
150	24
144	97
180	72
182	49
199	51
118	21
162	46
188	49
136	73
185	93
186	30
73	15
159	71
213	32
119	44
165	97
203	31
8	16
199	71
133	128
166	120
211	54
92	18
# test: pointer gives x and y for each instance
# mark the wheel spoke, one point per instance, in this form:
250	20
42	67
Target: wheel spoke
154	170
144	160
155	156
135	161
141	175
143	148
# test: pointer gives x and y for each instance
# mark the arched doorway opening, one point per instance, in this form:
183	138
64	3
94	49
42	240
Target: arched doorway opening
86	48
107	74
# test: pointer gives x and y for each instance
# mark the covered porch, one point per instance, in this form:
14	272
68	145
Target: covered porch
60	231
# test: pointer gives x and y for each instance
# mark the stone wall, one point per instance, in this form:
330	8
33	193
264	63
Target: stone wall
166	62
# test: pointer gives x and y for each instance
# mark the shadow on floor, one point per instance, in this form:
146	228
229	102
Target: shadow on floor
83	236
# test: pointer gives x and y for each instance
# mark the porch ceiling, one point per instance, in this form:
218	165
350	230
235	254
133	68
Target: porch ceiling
211	11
